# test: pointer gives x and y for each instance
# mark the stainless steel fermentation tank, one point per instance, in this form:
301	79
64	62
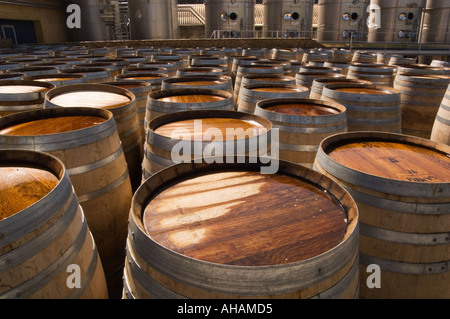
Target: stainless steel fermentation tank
230	18
287	18
339	20
153	19
435	24
399	20
92	26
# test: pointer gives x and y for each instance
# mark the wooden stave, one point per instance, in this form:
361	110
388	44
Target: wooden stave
376	195
28	232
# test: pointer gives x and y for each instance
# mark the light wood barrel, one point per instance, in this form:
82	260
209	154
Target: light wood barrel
35	70
22	95
12	76
190	99
257	235
419	69
267	79
253	93
369	107
59	79
44	232
139	70
315	57
292	54
401	184
171	67
306	78
377	74
93	75
421	97
155	79
341	56
339	65
241	61
364	56
253	69
199	71
319	69
302	124
192	135
121	102
87	142
318	85
221	82
441	127
140	90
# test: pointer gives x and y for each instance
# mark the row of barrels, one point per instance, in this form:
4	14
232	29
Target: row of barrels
138	255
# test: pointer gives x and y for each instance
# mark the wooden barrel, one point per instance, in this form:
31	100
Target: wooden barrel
241	61
319	69
54	64
121	102
401	185
400	60
193	135
439	63
253	93
199	71
44	231
190	99
320	57
93	75
291	54
119	63
364	56
258	234
87	142
155	79
318	85
306	78
140	90
261	53
253	69
113	68
377	74
21	95
222	82
338	65
285	64
441	128
419	69
421	97
171	67
35	70
140	70
302	124
59	79
341	56
12	76
369	107
267	79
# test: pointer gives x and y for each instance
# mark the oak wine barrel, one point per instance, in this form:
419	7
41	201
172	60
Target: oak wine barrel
369	107
44	232
290	235
121	102
303	123
401	185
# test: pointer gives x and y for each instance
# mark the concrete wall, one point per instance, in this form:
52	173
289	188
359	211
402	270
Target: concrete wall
48	16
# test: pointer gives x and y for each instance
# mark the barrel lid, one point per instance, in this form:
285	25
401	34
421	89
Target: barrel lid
22	186
212	129
301	107
393	160
388	163
241	217
89	95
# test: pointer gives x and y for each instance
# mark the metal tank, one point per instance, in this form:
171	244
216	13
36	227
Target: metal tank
153	19
435	24
399	20
340	20
229	18
287	18
92	26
